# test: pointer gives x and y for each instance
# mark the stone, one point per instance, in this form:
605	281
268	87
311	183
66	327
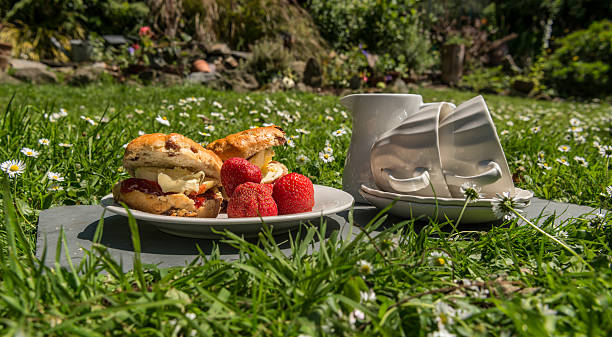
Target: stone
7	79
312	73
230	62
201	66
297	68
399	86
35	75
86	74
355	82
23	64
164	250
168	79
219	49
4	62
200	78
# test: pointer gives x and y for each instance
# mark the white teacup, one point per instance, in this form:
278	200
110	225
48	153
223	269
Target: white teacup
407	159
471	152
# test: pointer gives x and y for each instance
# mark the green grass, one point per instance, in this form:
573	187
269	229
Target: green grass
507	281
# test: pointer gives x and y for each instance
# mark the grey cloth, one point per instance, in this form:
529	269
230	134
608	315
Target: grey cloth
164	250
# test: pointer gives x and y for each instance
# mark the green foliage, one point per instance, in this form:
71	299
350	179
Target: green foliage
340	68
581	63
385	27
269	59
487	80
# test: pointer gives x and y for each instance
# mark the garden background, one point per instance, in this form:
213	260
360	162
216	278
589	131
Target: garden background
80	79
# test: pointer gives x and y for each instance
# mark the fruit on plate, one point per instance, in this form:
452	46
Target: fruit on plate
250	200
236	171
293	193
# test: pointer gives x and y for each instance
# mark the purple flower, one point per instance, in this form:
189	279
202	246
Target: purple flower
388	78
131	50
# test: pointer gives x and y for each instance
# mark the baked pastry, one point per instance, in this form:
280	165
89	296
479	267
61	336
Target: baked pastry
254	145
172	175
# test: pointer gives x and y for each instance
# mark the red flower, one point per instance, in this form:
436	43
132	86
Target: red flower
145	31
136	46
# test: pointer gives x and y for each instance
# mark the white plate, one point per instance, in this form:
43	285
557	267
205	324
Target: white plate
479	212
328	200
521	196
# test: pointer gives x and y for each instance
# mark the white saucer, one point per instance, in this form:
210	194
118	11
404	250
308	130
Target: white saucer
328	200
409	206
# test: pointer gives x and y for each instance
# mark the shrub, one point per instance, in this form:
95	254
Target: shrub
269	59
384	26
580	65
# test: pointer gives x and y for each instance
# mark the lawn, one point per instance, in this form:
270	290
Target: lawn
510	280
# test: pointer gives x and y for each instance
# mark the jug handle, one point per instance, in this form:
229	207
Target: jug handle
493	174
410	184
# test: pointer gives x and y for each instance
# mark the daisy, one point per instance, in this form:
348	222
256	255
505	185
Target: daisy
55	188
339	132
329	118
326	157
302	159
356	315
575	129
367	296
29	152
267	124
302	131
170	107
504	206
141	133
184	114
364	267
524	118
163	120
564	148
54	176
217	105
545	166
581	161
609	191
44	141
575	122
290	143
205	134
562	160
605	151
139	111
471	191
210	128
65	144
253	112
504	132
344	114
535	129
88	120
13	167
328	149
439	259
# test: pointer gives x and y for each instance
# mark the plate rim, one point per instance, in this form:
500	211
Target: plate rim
140	215
443	201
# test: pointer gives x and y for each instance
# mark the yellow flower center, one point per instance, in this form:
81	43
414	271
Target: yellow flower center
14	168
440	261
164	118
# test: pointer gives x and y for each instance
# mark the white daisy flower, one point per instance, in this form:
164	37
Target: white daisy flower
210	128
139	111
563	161
367	296
544	166
253	112
55	188
302	131
65	144
141	133
564	148
290	143
54	176
170	107
364	267
184	114
328	149
302	159
504	132
439	259
163	120
575	129
205	134
339	132
504	205
609	191
471	191
356	315
581	161
605	151
44	141
267	124
326	157
88	120
13	167
329	118
535	129
217	105
575	122
29	152
124	145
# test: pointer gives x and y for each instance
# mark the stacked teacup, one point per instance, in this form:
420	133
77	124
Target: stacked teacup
433	155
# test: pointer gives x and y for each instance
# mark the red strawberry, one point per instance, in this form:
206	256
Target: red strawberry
293	193
251	199
236	171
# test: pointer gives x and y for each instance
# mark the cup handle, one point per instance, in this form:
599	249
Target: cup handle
493	174
410	184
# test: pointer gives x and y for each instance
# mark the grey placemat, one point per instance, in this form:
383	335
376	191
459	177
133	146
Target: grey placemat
165	250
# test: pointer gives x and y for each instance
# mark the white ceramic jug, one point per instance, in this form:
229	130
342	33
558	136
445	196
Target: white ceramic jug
373	114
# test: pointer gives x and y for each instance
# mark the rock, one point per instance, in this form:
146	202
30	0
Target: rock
200	78
230	62
25	64
148	75
312	73
7	79
219	49
236	80
4	62
86	74
399	86
5	48
524	87
168	79
35	75
303	87
201	66
297	68
355	82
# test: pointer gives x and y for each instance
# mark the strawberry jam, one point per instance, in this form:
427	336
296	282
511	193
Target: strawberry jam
199	199
142	185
